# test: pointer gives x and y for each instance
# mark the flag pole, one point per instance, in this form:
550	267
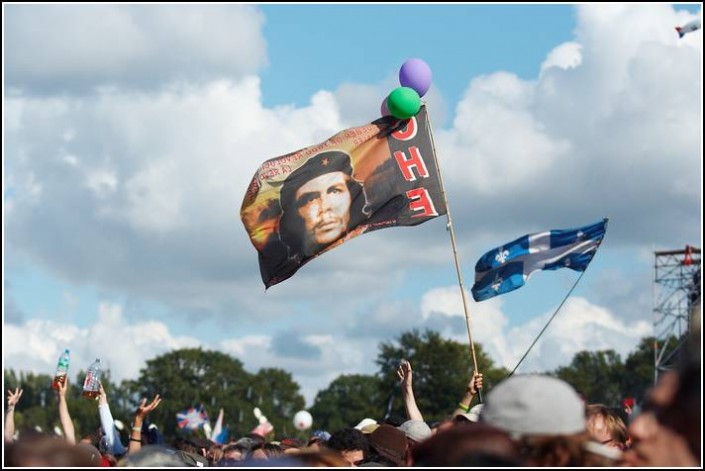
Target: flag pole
547	323
455	249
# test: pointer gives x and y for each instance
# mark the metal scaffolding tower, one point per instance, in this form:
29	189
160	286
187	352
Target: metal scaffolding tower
676	298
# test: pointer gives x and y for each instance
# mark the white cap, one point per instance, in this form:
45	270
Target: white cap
534	405
365	422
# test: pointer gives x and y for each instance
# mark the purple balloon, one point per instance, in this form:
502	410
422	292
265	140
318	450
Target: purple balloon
416	74
384	110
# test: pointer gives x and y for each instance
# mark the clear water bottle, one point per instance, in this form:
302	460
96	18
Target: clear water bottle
62	370
91	387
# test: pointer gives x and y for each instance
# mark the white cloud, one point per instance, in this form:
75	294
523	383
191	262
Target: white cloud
578	326
616	134
135	188
565	56
35	345
58	48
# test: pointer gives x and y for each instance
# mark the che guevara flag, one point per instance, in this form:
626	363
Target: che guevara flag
365	178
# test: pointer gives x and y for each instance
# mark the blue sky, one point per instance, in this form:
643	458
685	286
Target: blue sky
126	163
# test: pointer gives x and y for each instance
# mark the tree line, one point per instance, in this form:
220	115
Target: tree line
192	376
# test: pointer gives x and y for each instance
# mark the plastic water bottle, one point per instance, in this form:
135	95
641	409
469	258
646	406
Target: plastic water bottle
62	370
91	387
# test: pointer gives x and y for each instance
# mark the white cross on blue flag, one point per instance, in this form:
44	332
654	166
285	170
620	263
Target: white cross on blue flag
507	268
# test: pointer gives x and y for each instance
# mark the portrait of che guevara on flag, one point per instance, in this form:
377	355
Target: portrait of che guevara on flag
365	178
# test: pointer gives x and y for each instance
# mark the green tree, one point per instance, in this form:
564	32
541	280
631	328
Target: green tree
189	377
281	398
640	370
441	371
347	400
596	375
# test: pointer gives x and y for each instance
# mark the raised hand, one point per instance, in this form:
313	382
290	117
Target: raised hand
13	397
475	383
63	387
405	374
144	409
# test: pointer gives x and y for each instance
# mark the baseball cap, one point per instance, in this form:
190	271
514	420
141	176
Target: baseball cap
319	435
417	430
534	405
473	415
364	422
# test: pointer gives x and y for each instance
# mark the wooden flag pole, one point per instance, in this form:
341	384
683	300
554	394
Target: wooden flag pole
455	250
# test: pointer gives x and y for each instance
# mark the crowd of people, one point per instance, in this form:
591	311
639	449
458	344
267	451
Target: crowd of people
525	420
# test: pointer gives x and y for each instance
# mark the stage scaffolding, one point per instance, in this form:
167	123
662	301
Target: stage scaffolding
676	301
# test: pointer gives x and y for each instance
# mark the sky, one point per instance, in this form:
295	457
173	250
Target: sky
131	132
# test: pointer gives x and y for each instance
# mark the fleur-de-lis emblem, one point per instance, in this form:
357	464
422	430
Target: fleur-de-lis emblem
497	283
501	257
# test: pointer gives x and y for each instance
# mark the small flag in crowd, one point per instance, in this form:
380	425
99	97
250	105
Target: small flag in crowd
303	204
220	433
192	418
507	268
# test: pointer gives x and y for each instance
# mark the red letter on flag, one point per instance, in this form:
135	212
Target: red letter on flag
421	201
414	161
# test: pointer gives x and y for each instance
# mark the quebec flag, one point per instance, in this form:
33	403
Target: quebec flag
507	268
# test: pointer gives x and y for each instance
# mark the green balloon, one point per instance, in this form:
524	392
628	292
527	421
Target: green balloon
403	102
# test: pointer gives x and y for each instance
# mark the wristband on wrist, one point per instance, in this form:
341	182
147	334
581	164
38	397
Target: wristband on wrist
137	429
463	407
135	440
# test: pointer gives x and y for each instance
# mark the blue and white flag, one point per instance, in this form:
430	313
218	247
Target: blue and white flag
220	432
507	268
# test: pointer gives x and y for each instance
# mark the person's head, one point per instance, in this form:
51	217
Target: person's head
606	427
321	202
351	443
214	454
272	450
473	415
467	445
668	430
416	431
317	438
388	446
235	452
544	414
40	451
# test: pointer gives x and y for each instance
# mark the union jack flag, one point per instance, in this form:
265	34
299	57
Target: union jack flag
192	418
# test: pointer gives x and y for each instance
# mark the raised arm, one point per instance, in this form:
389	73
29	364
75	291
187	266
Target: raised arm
64	416
404	373
12	399
143	411
115	446
474	386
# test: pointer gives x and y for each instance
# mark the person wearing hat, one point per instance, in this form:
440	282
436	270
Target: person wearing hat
545	415
474	387
317	438
321	202
388	447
